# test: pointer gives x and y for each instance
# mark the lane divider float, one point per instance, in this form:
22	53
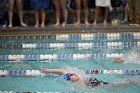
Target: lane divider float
85	36
89	45
37	73
41	57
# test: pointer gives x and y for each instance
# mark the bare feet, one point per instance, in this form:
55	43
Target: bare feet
42	25
77	24
136	24
10	25
23	24
105	23
57	24
36	26
64	25
87	23
94	23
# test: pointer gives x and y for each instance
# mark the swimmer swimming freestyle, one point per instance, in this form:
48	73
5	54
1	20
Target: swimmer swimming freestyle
118	60
73	77
133	56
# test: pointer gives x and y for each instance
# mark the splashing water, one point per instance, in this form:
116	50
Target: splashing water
133	56
82	74
77	71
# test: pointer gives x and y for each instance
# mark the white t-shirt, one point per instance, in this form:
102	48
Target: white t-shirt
103	3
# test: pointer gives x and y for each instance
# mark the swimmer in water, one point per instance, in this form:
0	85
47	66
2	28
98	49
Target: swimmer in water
73	77
132	56
118	60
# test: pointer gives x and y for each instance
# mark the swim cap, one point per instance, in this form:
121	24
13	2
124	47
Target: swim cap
67	76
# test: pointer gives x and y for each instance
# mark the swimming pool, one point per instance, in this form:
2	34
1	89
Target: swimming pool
22	56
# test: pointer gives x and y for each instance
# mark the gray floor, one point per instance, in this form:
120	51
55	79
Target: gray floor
70	28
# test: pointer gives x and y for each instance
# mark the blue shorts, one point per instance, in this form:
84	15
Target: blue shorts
41	4
124	3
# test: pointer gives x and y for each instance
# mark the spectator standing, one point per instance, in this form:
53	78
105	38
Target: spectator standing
78	11
125	6
10	12
61	4
134	12
3	13
102	3
40	5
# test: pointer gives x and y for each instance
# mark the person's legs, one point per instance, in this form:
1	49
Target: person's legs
131	11
3	18
126	13
137	12
125	7
10	11
115	8
20	13
106	16
78	12
125	20
57	8
65	12
86	11
43	16
97	10
36	17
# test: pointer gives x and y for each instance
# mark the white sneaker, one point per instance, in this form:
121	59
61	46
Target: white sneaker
4	26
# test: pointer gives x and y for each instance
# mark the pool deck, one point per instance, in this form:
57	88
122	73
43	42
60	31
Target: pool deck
70	28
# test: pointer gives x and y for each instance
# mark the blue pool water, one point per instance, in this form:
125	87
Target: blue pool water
77	52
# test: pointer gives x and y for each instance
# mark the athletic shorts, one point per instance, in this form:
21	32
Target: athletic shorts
124	3
41	4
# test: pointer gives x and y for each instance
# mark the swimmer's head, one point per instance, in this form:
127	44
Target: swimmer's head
118	60
71	77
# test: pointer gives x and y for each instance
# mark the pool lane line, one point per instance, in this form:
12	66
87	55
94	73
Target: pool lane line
43	57
38	73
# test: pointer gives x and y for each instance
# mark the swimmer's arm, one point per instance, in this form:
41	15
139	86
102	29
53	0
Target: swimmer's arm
56	71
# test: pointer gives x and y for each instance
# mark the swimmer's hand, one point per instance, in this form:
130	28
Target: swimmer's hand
44	70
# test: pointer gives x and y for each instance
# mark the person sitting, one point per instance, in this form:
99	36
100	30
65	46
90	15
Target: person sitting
74	77
10	12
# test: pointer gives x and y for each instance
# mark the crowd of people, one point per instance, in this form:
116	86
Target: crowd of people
62	7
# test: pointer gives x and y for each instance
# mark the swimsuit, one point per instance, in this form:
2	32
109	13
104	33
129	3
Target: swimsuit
93	82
